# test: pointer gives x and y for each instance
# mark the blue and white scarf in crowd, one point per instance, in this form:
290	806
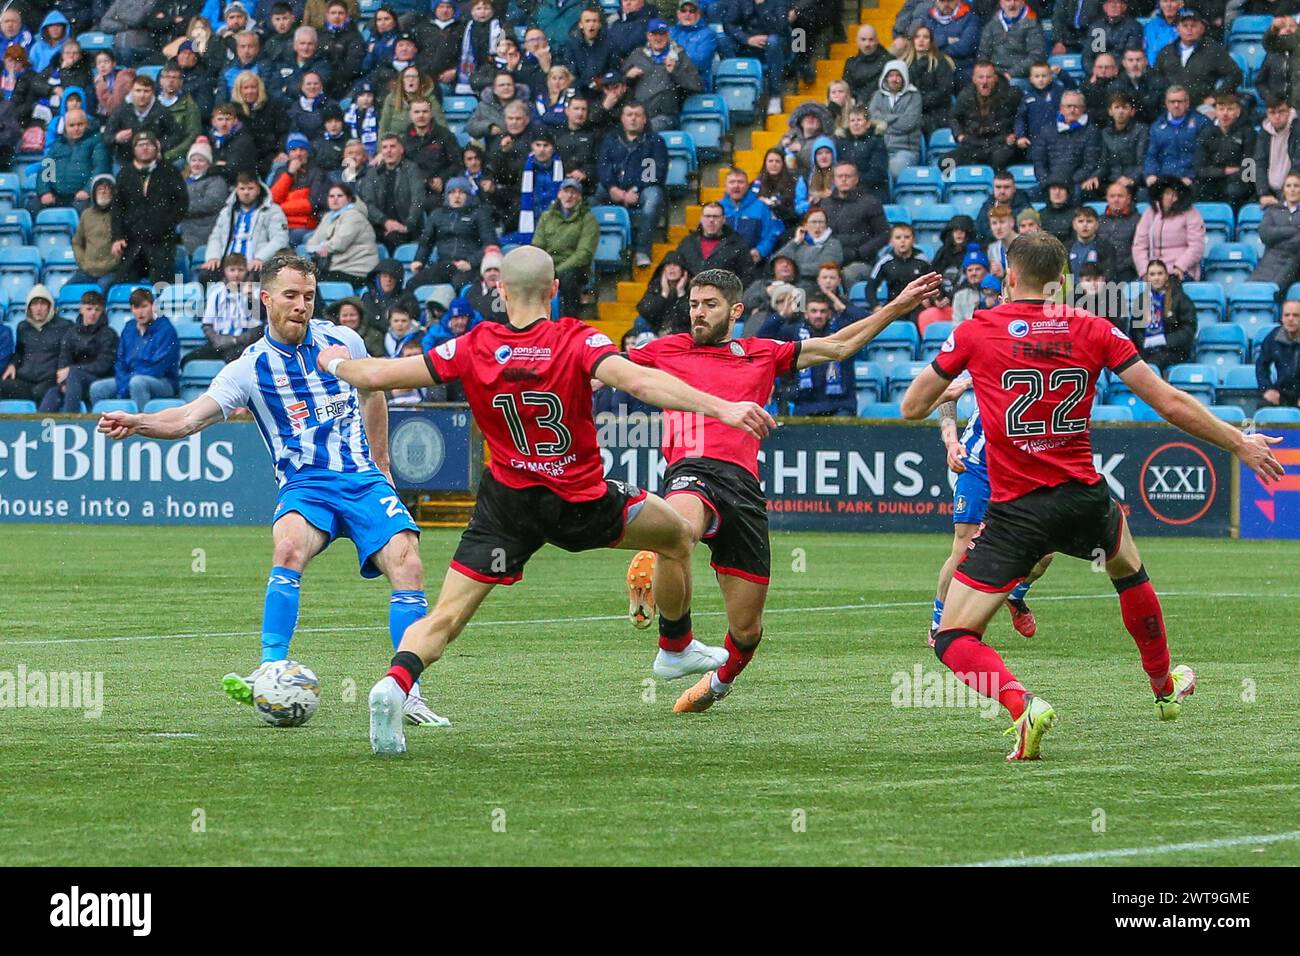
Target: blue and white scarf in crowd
1063	127
363	126
526	212
834	377
1008	24
467	63
1155	333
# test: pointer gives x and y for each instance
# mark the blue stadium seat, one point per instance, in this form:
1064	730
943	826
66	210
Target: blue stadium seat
1249	56
1070	63
92	41
1229	263
615	244
897	213
1232	414
118	308
1142	412
114	405
858	294
405	253
1249	27
682	161
1024	176
1221	345
968	187
1197	380
17	406
201	371
1238	381
190	333
181	301
918	186
59	267
940	144
68	299
331	292
1276	415
458	109
706	117
936	333
1210	301
1112	413
20	269
15	228
929	221
1248	219
870	381
878	410
898	344
900	378
740	82
161	405
150	71
11	188
1219	221
1252	304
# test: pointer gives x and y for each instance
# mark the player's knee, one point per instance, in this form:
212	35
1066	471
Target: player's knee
747	634
290	554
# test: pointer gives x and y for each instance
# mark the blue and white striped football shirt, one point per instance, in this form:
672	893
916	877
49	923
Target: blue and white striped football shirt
307	418
972	439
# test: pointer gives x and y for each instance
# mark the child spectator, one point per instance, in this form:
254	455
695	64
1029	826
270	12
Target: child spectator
899	267
1003	228
1087	248
231	321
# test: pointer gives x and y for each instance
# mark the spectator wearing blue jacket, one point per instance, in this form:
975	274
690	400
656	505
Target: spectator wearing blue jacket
589	53
1162	29
749	217
76	156
956	32
761	30
148	357
697	38
632	166
628	31
1171	148
828	390
54	32
6	345
1039	104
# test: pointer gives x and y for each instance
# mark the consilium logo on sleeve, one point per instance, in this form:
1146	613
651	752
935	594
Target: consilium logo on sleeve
1018	328
502	354
598	340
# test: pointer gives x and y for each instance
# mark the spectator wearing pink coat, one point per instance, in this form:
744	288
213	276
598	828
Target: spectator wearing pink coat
1171	230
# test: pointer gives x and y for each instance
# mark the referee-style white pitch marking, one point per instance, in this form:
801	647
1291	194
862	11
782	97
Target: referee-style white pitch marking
596	618
1226	843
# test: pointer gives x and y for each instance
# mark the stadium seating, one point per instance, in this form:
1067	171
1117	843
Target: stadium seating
190	334
1248	220
878	410
68	299
1196	380
1222	345
53	230
930	220
896	213
331	292
59	268
20	269
114	405
918	187
1025	177
968	187
900	378
1238	386
1276	415
706	118
1142	412
1112	413
739	81
1231	414
858	294
15	228
197	375
683	161
896	345
405	253
17	406
615	243
936	333
10	189
1069	63
1253	304
92	41
1210	300
1219	221
161	404
119	305
870	382
1228	263
940	144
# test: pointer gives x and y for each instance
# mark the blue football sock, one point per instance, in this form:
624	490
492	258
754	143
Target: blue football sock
1020	590
938	611
404	609
280	613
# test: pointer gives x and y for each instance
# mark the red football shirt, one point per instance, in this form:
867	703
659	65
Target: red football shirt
742	370
1035	368
530	392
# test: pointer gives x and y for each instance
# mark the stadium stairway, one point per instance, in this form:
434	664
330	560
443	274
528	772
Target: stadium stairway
617	316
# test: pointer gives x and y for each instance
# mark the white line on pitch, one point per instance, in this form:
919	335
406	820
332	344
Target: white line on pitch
1127	852
596	618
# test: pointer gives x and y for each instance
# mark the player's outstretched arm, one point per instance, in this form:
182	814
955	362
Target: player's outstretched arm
169	423
374	413
375	374
926	391
848	341
663	391
1181	410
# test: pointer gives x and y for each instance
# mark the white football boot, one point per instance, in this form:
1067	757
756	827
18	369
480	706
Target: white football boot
698	658
386	734
417	711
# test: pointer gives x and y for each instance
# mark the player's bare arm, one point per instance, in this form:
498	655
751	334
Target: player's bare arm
374	412
664	391
167	424
848	341
375	374
1185	412
925	392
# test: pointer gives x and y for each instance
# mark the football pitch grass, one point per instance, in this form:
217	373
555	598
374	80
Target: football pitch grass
565	751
